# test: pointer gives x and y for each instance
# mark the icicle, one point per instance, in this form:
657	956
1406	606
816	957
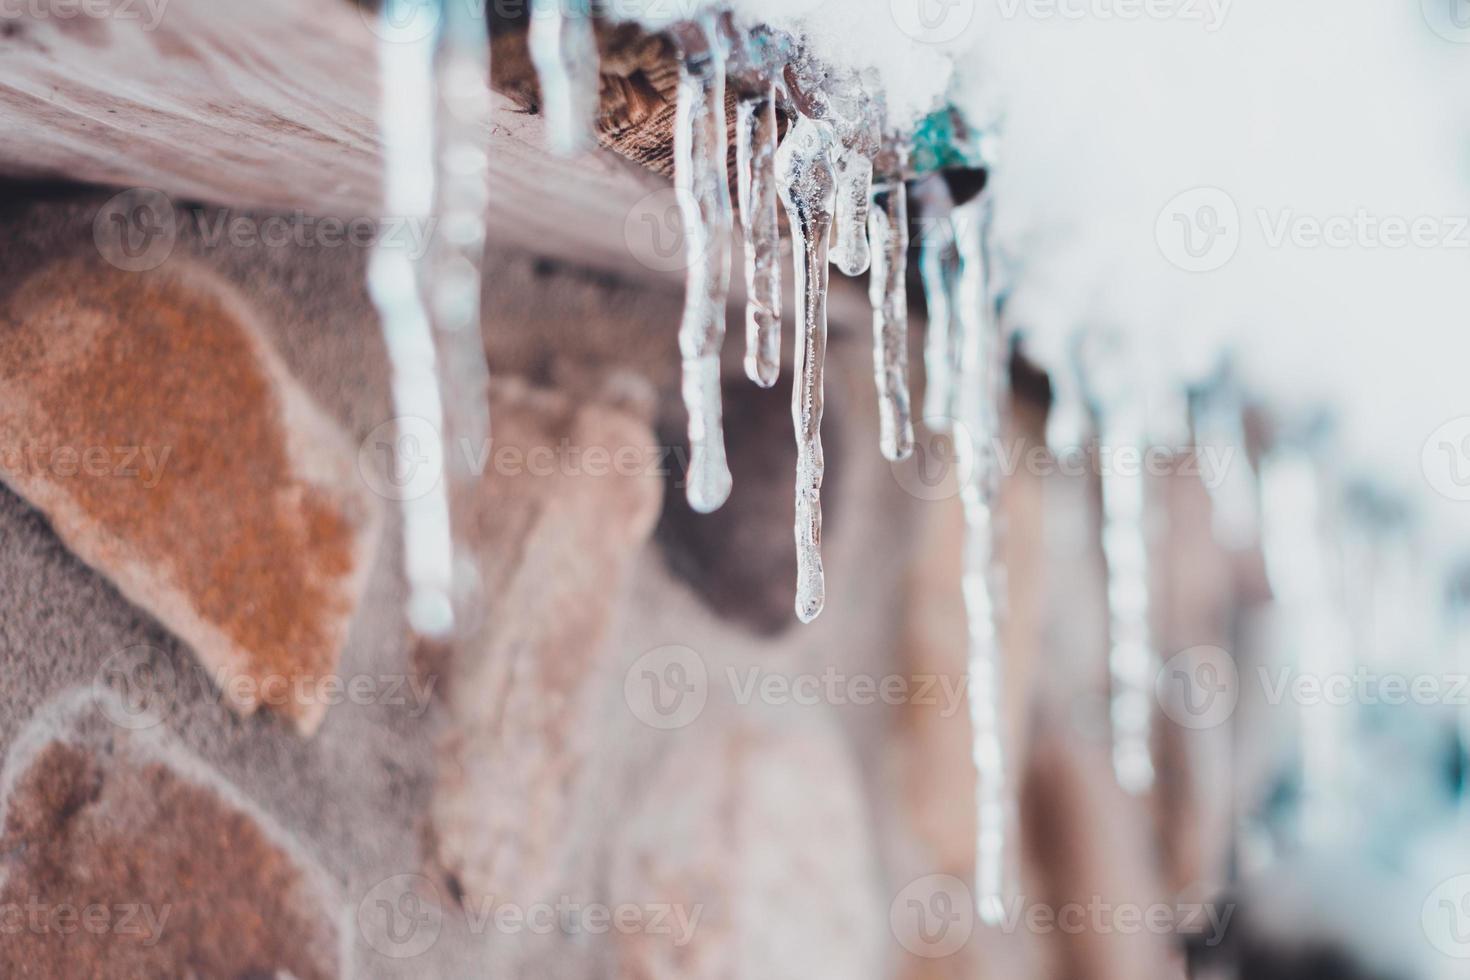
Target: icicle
755	161
452	268
1123	424
1300	554
398	289
563	47
1131	658
807	186
854	175
937	259
1068	421
981	390
704	198
888	227
1219	438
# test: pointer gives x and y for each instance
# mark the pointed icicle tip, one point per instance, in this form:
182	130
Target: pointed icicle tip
808	188
700	143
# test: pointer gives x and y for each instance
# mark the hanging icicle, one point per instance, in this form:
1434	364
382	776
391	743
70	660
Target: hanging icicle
755	161
1113	384
807	186
452	271
1300	543
437	357
981	392
563	46
888	228
858	118
700	142
937	260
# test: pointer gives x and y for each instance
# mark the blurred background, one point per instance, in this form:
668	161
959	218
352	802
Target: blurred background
412	504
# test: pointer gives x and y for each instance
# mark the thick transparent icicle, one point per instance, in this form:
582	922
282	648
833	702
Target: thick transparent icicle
854	173
981	390
563	47
700	143
937	259
888	228
807	187
1131	656
755	162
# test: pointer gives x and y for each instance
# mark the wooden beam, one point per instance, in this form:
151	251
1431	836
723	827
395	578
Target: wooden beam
272	105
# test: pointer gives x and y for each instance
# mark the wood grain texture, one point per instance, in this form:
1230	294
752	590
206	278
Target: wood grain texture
272	104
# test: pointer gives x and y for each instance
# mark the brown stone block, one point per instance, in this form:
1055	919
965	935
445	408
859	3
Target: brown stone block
146	416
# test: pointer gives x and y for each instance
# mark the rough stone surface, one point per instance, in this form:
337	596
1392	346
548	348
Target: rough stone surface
558	532
146	416
738	830
119	860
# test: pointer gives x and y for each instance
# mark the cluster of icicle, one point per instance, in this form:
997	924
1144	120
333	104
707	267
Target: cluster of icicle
839	173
